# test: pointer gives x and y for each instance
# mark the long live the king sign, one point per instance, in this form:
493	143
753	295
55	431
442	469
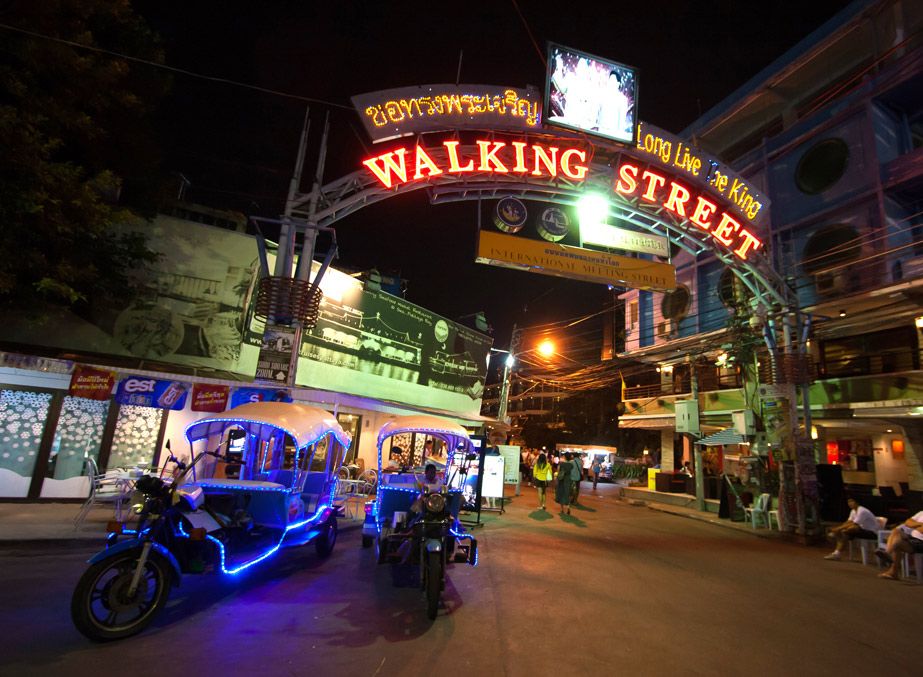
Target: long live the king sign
560	260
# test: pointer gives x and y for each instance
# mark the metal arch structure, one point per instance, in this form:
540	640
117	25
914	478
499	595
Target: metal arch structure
329	203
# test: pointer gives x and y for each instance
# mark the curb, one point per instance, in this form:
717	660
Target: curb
717	521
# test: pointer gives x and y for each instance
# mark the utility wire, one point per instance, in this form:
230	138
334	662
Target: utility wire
172	69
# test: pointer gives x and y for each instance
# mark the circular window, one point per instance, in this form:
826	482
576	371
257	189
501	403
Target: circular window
675	303
831	246
822	166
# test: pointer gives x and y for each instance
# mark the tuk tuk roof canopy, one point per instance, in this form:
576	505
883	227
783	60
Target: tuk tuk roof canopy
452	433
305	424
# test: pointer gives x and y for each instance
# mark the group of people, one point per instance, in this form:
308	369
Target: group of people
862	523
566	475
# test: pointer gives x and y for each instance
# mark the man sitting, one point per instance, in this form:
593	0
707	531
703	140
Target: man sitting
861	523
908	538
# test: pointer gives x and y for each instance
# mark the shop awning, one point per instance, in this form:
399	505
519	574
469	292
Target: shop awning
726	436
649	422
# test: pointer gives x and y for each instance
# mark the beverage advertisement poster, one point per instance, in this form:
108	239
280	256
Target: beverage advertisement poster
143	391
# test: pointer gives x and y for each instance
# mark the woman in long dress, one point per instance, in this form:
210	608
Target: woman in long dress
564	484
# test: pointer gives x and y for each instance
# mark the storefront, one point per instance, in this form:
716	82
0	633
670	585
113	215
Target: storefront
47	434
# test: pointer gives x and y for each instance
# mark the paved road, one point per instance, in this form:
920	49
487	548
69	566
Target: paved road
614	588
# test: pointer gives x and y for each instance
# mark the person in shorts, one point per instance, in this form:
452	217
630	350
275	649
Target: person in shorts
861	523
908	537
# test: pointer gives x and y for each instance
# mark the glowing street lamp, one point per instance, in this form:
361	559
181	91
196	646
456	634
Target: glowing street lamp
546	348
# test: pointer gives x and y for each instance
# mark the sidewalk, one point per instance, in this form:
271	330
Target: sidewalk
712	518
52	522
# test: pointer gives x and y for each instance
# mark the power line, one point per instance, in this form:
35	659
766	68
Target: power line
173	69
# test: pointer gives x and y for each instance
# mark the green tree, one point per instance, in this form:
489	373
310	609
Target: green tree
73	122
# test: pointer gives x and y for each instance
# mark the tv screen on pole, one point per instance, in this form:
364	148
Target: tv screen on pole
589	94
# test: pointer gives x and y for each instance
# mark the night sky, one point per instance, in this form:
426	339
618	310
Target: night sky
237	146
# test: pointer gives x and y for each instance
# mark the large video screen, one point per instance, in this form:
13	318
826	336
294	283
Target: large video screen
592	95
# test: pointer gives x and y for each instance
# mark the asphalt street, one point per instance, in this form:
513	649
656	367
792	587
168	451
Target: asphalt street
614	588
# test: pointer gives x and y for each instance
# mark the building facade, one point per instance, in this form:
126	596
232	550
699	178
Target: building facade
832	133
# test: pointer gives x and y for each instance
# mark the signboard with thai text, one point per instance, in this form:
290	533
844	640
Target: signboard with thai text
392	113
90	383
208	397
551	258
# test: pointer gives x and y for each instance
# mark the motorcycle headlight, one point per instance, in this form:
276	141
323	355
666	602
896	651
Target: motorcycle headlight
435	503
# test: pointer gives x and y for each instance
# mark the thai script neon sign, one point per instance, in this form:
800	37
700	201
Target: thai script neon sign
662	190
409	110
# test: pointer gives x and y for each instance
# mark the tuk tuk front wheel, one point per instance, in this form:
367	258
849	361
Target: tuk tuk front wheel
433	575
324	543
102	608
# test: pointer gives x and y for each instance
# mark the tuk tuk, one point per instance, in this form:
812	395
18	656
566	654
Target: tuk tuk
414	517
263	478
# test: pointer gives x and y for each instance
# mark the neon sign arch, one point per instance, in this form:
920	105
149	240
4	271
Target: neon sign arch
660	186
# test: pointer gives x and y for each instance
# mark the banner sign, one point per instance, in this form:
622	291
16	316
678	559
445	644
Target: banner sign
210	397
392	113
371	343
249	395
275	361
143	391
549	255
90	383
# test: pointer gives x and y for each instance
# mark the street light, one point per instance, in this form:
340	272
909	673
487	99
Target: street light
546	348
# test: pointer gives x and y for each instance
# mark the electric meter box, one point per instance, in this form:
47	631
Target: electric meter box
687	416
744	422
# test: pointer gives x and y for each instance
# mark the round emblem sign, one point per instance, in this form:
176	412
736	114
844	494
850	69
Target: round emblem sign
510	215
441	330
553	224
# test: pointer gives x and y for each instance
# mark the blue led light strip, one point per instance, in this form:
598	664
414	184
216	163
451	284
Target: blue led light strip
268	553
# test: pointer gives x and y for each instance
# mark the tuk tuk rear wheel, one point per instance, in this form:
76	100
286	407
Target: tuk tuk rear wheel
324	543
433	574
101	608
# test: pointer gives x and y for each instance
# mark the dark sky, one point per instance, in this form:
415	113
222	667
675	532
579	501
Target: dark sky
237	146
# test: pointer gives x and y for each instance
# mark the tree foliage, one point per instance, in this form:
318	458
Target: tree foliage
73	124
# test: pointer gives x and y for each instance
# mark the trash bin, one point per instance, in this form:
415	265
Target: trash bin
652	478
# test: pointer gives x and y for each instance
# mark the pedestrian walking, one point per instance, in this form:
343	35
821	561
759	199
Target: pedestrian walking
596	468
576	474
541	476
564	486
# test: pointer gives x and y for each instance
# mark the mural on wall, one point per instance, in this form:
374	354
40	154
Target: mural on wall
191	312
198	311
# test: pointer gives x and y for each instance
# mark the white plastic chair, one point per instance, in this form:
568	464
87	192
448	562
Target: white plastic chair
867	546
917	565
760	511
107	488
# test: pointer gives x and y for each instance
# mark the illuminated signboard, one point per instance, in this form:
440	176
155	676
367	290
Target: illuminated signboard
619	238
592	95
677	155
491	157
560	260
634	180
392	113
546	240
